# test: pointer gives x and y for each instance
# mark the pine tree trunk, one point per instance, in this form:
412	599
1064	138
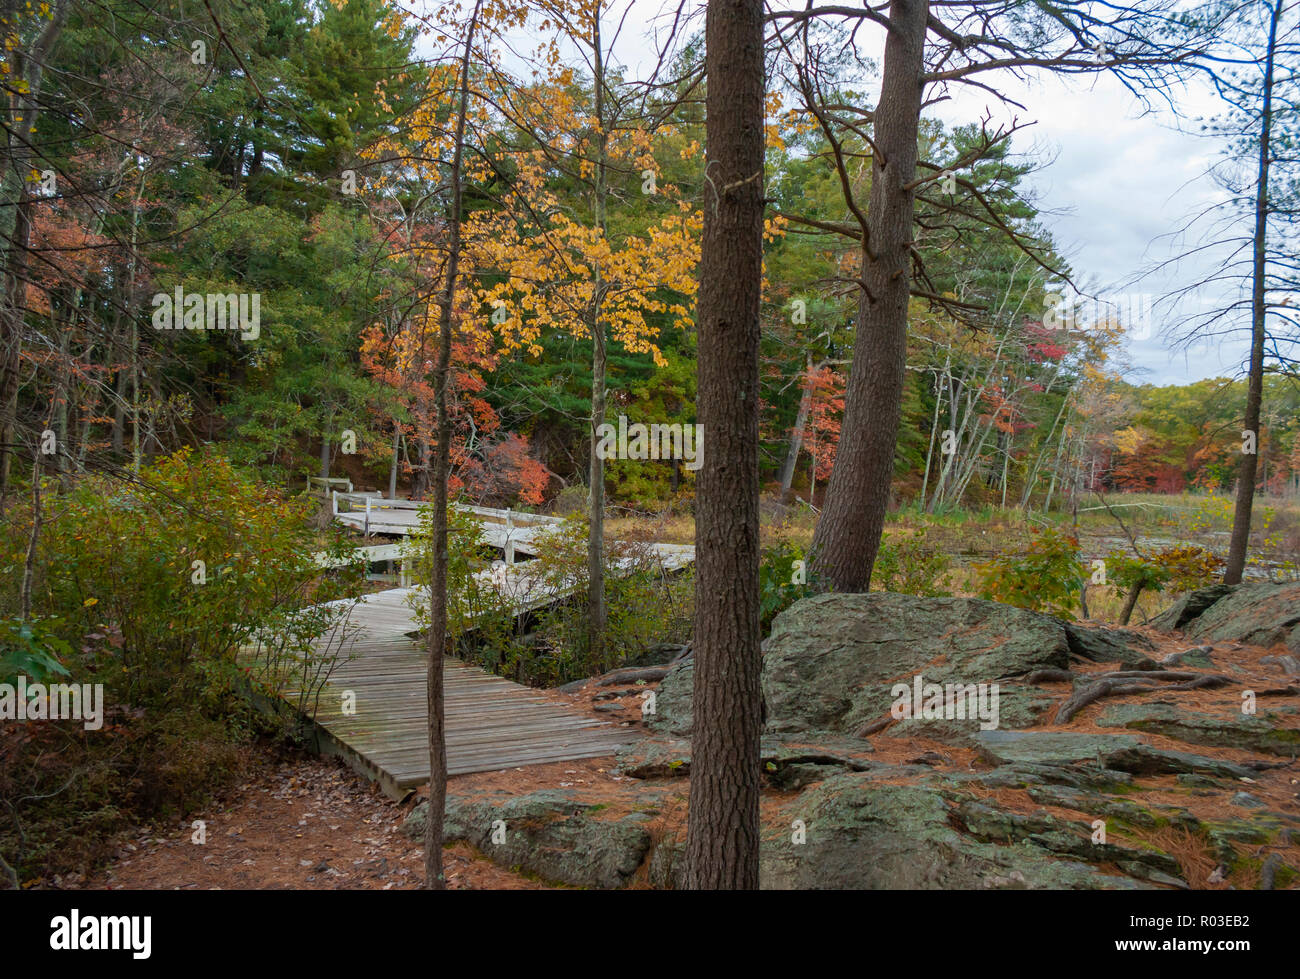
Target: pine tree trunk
857	498
722	827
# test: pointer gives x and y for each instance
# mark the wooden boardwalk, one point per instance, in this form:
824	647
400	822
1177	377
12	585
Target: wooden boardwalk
372	710
509	531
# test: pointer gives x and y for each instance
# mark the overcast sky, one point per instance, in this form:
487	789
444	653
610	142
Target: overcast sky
1116	188
1113	185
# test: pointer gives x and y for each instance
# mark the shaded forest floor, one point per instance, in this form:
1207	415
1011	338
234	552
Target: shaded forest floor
310	823
306	823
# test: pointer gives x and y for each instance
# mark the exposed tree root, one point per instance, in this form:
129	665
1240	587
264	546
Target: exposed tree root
1132	682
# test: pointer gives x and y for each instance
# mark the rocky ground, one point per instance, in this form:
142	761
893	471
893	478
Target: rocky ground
1162	757
1154	758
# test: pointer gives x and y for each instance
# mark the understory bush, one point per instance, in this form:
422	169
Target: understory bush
910	565
1045	575
782	579
180	591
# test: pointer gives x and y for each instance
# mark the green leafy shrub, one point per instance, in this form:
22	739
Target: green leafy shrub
782	579
193	563
1044	576
117	600
32	648
910	565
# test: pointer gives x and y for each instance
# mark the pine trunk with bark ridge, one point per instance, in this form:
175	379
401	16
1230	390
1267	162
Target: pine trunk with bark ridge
857	498
722	829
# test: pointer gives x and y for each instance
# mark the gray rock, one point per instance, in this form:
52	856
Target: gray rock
1197	656
1262	614
658	655
550	833
865	834
1289	665
832	660
1197	781
1050	747
1250	733
668	757
673	700
1190	606
1118	751
613	694
1102	645
1119	810
1019	706
655	758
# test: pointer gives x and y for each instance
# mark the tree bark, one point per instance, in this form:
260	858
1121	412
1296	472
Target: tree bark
436	643
722	823
857	498
324	455
1255	386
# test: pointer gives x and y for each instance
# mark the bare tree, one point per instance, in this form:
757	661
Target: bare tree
1251	238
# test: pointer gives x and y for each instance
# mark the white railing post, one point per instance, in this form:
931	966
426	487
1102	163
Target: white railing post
366	532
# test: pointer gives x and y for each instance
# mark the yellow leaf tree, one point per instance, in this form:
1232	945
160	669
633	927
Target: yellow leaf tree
588	276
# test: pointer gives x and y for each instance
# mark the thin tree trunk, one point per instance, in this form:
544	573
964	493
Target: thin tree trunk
722	823
796	434
392	469
119	411
1130	602
1255	388
436	643
59	400
597	614
29	564
934	428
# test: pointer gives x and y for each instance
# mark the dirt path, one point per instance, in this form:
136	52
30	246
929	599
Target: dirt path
308	823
